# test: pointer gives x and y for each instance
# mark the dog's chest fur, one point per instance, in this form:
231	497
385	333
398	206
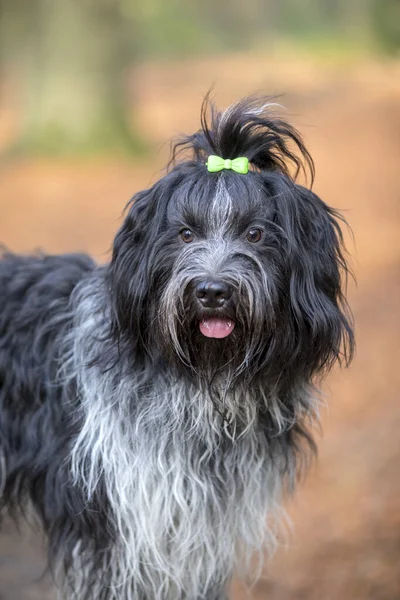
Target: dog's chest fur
188	499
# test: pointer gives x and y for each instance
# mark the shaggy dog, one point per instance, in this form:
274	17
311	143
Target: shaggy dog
153	410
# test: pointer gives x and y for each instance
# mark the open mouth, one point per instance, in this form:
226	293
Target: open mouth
216	327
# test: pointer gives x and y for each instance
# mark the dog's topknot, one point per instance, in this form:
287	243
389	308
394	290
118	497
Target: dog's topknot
248	128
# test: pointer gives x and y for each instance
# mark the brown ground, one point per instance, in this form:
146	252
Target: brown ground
346	539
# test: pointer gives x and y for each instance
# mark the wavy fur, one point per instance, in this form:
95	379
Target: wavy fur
156	458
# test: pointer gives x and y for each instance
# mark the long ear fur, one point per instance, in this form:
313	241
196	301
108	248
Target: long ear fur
320	318
129	275
130	257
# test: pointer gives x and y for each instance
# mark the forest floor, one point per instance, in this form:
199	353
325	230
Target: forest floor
345	543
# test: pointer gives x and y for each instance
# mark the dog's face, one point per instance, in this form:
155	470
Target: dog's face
219	305
230	276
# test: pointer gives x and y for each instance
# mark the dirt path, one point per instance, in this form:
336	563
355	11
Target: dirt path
346	540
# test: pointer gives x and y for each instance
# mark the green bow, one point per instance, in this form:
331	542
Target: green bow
216	163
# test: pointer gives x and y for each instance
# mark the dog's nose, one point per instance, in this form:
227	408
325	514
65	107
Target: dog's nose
212	293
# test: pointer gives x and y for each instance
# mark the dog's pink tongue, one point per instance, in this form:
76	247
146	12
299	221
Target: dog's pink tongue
216	328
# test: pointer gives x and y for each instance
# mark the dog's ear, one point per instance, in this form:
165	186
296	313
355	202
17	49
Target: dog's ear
320	316
128	273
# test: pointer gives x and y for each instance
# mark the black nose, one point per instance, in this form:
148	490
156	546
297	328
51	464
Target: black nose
212	293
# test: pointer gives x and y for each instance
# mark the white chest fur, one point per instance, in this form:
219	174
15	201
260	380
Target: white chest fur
187	501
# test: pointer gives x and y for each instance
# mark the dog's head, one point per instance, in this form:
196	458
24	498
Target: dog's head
231	276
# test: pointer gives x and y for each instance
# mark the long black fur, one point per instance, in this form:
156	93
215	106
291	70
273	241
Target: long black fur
281	343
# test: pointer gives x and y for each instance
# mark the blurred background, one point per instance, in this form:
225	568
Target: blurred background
91	91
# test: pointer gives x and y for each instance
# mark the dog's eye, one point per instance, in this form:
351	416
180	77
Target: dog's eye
187	236
254	235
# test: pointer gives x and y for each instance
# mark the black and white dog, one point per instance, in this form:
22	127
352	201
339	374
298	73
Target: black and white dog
153	410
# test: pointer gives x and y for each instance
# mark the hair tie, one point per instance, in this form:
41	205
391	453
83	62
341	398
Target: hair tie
216	163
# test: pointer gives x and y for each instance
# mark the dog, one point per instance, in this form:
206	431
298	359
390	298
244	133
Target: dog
154	410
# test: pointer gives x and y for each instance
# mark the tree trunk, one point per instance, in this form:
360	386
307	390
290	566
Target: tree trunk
71	57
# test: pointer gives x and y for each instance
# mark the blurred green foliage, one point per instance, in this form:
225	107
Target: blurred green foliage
71	57
178	28
385	20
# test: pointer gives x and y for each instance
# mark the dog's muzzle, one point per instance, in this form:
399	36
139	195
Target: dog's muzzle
213	294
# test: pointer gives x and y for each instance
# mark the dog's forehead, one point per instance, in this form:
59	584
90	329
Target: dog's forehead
221	208
218	202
